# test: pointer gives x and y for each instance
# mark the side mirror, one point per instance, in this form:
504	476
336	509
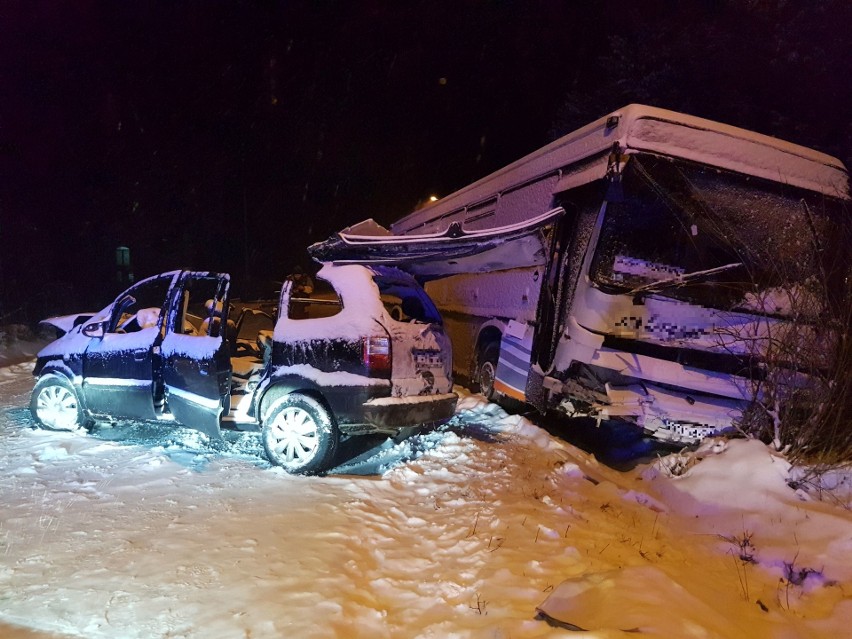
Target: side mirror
95	329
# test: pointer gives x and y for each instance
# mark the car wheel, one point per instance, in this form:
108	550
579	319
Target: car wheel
487	371
55	406
300	435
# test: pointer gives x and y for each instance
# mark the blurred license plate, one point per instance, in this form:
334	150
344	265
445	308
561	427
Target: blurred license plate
427	359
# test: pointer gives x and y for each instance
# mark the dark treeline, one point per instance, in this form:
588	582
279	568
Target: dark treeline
230	135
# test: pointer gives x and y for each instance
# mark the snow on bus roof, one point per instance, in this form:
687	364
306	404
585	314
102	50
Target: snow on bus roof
581	157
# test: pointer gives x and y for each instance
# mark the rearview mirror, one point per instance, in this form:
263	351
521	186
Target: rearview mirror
95	329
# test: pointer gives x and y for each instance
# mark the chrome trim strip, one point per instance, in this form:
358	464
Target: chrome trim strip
116	381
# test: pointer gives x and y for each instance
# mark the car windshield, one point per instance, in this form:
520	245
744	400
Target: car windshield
714	238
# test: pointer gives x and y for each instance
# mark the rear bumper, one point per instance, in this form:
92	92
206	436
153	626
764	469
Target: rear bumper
393	413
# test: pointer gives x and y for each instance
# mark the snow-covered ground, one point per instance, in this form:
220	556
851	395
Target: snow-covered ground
468	531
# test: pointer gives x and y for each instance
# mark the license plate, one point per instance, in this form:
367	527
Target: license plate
427	359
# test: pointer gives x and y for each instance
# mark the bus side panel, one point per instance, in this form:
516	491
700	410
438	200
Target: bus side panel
510	294
470	301
514	365
463	331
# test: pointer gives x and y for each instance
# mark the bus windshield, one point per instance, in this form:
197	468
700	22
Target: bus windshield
718	239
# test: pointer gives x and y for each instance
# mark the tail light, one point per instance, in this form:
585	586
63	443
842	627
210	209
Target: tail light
377	355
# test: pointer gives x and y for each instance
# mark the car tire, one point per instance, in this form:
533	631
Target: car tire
55	406
300	435
486	370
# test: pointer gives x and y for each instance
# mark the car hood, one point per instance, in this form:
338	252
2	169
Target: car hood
65	323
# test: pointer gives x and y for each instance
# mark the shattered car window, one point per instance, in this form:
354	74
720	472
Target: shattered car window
404	299
202	315
140	307
314	301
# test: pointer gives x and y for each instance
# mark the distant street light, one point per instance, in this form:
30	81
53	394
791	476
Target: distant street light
424	202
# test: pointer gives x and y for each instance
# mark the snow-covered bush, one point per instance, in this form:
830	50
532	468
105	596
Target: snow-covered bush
826	482
11	333
801	344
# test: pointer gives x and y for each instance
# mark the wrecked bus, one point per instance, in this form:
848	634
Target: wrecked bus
626	270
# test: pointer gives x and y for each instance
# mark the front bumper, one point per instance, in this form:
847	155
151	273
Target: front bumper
394	413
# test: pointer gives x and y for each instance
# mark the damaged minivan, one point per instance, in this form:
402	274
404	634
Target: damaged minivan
364	353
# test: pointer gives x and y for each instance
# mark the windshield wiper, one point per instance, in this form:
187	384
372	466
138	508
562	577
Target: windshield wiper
679	280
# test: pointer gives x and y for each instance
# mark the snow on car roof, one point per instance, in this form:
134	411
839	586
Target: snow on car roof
361	306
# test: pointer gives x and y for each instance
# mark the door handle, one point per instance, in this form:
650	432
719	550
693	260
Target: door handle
140	355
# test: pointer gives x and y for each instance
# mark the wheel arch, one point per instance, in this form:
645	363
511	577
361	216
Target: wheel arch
57	368
281	388
490	333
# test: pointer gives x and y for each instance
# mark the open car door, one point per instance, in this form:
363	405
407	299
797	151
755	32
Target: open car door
195	353
434	255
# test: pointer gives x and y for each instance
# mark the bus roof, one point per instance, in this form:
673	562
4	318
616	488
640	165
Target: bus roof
582	156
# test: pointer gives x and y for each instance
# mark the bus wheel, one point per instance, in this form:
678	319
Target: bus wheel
486	371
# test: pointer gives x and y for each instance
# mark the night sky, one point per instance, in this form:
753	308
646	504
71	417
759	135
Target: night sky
229	136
